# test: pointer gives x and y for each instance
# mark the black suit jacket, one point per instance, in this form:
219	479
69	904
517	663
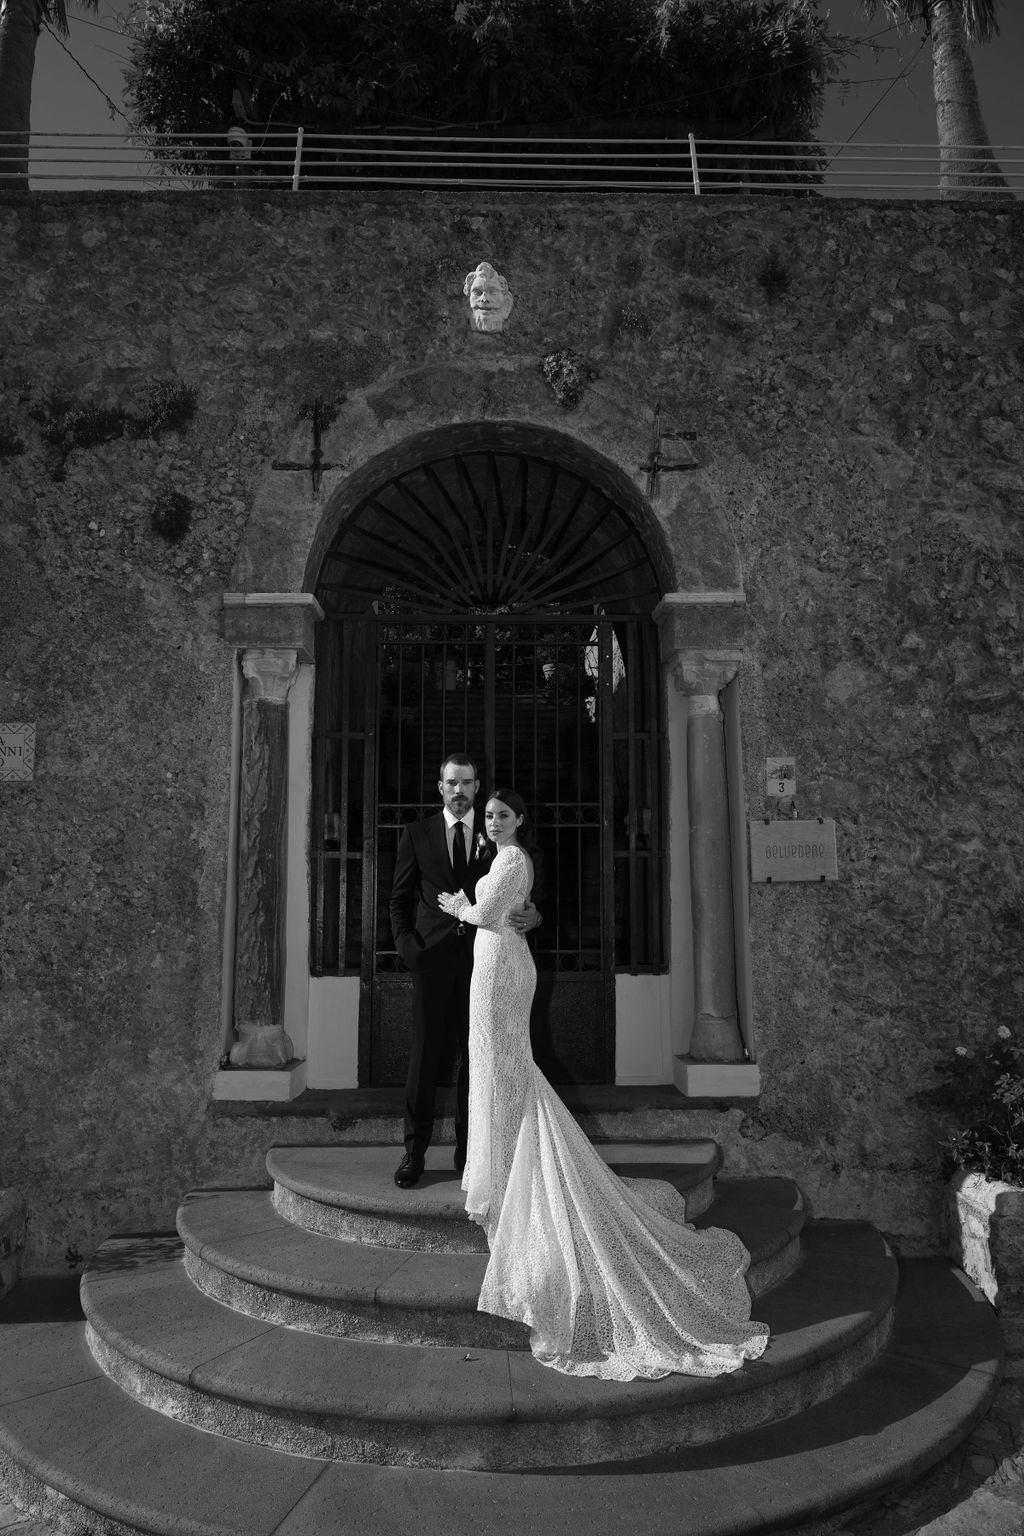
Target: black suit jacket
422	870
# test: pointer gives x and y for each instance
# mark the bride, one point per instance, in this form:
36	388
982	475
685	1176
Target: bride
605	1271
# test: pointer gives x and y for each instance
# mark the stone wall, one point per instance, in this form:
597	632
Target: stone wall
853	373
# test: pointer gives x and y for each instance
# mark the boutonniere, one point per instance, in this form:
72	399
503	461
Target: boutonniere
481	845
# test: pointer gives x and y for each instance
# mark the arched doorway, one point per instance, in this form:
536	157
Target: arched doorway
492	593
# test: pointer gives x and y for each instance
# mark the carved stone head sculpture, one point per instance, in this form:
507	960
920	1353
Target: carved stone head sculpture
490	302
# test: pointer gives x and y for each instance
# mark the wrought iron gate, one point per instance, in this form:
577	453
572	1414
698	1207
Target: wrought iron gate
562	705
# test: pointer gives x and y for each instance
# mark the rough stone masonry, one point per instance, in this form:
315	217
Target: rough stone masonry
858	433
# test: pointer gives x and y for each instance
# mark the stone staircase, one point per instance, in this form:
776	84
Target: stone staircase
309	1359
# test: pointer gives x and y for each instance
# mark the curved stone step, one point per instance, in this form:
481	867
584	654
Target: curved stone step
83	1455
349	1192
180	1352
768	1216
242	1252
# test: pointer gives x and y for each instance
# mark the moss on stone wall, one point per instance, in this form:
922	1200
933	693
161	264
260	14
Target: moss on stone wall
854	375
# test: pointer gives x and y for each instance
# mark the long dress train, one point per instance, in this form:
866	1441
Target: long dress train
605	1271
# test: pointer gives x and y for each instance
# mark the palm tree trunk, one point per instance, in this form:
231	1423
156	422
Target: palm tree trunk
19	31
967	166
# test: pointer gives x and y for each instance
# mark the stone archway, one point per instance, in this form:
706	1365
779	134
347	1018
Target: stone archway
706	996
483	594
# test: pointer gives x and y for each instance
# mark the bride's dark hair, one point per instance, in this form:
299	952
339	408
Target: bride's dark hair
515	802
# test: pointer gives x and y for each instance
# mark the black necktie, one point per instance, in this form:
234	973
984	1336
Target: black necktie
459	864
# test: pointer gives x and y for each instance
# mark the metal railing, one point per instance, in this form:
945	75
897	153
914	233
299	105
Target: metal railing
293	158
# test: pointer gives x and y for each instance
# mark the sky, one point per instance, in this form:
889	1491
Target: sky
887	101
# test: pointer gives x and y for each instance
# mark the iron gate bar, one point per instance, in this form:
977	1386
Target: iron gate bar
369	872
452	507
555	529
499	575
489	524
567	558
471	540
458	542
540	516
495	489
438	523
487	615
442	568
386	570
463	474
444	528
565	575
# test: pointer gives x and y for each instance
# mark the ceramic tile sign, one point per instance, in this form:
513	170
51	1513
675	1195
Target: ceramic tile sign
17	752
793	850
781	778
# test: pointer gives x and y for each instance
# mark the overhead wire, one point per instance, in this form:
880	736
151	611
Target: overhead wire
874	108
114	109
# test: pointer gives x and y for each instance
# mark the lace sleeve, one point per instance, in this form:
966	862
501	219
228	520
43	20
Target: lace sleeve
502	888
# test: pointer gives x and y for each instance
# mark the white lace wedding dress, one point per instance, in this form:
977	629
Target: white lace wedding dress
605	1271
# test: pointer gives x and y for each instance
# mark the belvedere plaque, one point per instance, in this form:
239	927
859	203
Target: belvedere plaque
793	850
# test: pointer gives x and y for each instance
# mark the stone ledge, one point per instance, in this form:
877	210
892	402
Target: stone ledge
698	1080
274	1085
348	1106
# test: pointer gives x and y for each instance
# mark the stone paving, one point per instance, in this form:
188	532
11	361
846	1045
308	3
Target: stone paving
977	1492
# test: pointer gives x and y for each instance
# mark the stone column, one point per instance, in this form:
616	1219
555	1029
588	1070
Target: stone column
701	675
263	808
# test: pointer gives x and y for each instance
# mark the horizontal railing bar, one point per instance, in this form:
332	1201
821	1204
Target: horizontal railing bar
42	136
655	175
276	158
435	182
716	162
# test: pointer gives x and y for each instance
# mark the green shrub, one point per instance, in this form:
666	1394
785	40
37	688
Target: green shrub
982	1091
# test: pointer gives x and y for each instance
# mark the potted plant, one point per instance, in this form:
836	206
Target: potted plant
981	1091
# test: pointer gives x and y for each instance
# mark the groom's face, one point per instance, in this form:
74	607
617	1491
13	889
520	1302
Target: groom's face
458	787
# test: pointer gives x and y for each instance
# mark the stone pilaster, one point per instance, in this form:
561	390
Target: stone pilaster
701	675
263	807
272	634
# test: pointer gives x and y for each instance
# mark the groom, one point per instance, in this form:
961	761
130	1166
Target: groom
444	852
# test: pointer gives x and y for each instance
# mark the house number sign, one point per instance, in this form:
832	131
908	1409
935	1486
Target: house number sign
17	752
793	850
781	775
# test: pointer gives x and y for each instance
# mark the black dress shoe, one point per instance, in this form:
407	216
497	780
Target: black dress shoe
459	1160
408	1171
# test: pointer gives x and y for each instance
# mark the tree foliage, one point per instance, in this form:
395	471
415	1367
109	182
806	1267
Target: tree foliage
979	16
736	67
967	167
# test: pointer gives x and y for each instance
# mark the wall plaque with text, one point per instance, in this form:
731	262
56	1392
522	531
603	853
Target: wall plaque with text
793	850
17	752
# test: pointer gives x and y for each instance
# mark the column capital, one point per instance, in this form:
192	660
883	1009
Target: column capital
701	676
270	673
270	620
700	621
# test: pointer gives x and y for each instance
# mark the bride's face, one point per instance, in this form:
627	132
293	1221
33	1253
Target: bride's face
501	822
